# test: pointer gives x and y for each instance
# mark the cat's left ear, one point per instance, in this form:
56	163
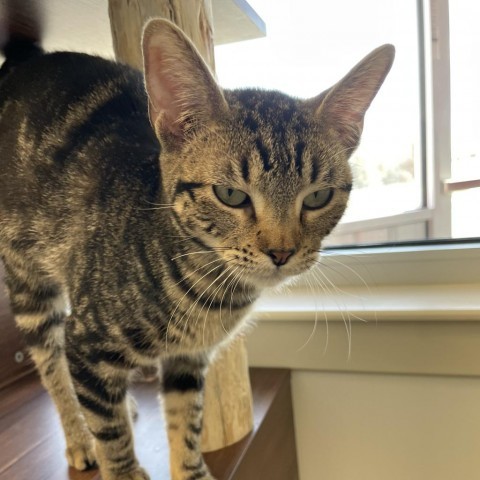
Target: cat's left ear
182	92
341	109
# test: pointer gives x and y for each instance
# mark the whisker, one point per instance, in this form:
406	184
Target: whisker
316	318
156	208
159	204
192	307
214	249
346	320
212	297
234	287
195	303
345	312
356	274
337	288
324	288
196	270
223	296
187	292
350	269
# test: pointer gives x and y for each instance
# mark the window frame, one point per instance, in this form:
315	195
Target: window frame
435	117
419	310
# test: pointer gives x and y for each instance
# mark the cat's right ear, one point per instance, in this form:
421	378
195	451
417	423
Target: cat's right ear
182	92
342	108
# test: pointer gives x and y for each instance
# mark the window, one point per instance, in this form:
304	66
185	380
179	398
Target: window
406	180
465	101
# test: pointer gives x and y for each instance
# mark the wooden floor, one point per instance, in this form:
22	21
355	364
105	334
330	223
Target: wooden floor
32	445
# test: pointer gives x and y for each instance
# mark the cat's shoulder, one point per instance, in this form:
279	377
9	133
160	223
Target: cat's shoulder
82	63
68	69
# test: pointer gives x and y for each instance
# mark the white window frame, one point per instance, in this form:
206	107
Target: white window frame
437	184
438	160
410	309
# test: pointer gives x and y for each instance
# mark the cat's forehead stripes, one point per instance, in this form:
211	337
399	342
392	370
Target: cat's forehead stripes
299	149
245	168
314	171
276	127
260	106
283	142
264	154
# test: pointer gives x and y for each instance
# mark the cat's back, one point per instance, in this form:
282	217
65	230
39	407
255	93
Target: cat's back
76	145
66	114
50	83
64	90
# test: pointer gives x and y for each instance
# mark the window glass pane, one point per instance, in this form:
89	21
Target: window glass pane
309	46
465	118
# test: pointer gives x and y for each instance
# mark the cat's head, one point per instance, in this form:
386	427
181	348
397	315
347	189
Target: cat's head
257	175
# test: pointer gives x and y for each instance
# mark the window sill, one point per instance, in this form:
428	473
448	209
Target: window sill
450	302
430	282
408	310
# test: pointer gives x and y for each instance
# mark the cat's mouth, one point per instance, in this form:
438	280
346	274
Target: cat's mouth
262	272
272	277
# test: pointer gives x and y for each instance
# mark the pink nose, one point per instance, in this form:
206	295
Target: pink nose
280	257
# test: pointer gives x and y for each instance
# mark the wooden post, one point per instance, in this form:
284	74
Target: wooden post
127	19
228	399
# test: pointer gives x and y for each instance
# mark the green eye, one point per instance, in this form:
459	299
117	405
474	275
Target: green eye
231	196
319	199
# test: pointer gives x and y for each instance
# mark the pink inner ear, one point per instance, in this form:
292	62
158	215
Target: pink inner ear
347	113
162	93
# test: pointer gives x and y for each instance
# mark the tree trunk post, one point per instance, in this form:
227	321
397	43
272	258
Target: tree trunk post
228	413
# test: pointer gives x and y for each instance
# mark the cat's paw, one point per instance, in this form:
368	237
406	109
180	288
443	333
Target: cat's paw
205	476
197	474
138	474
81	457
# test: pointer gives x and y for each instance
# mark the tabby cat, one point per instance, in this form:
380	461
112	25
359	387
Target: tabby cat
140	217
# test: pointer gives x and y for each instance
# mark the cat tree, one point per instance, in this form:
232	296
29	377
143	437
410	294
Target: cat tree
228	399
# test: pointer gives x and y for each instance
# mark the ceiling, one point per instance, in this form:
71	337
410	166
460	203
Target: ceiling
83	25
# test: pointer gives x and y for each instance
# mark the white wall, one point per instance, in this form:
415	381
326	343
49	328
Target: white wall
404	401
386	427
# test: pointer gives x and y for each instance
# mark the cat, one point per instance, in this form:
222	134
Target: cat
132	207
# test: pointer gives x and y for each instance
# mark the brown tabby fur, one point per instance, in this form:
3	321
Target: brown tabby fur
118	247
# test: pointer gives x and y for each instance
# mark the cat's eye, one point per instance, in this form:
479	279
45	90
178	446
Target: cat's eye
319	199
231	196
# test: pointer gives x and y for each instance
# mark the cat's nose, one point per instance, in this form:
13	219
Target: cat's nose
280	257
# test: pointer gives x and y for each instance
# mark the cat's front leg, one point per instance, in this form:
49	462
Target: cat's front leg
102	394
183	379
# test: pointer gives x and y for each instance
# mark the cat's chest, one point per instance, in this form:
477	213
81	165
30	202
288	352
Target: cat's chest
151	312
205	330
143	336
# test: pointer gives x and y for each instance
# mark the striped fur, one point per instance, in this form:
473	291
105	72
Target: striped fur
117	251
